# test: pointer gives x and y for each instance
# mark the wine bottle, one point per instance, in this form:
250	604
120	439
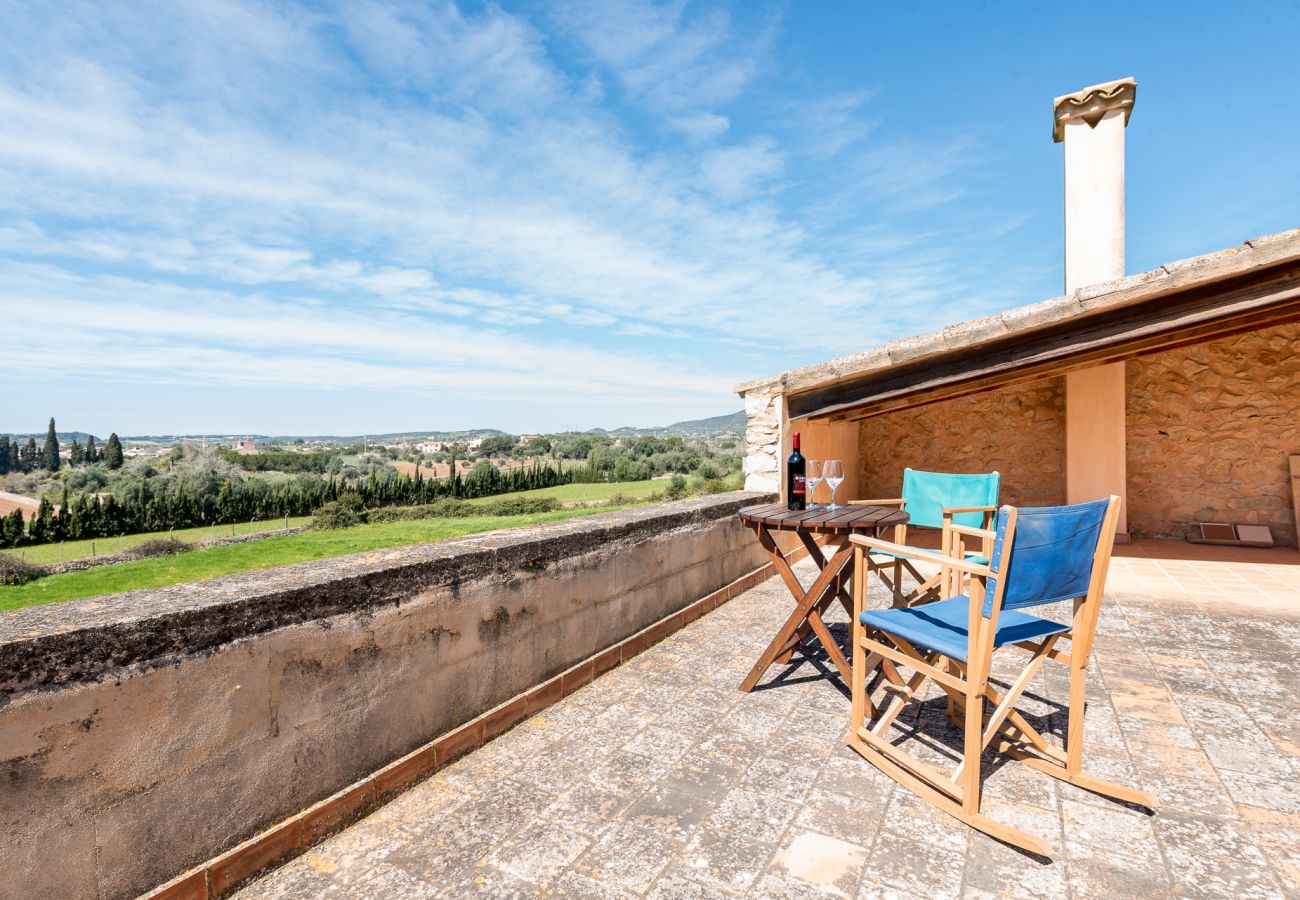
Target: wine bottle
795	486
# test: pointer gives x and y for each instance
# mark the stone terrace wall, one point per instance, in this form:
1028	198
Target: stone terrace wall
1018	431
1209	431
143	733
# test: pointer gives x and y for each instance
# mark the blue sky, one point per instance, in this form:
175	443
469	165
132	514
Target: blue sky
370	217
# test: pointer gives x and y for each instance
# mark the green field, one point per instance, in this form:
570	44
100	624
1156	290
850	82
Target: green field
265	554
587	493
45	554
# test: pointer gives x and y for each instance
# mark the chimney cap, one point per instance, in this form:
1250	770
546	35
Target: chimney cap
1091	103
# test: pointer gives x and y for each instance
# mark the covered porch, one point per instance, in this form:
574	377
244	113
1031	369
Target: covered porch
1178	389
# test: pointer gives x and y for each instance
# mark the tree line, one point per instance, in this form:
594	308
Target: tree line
174	506
15	457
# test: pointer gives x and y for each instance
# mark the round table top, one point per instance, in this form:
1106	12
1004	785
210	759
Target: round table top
847	518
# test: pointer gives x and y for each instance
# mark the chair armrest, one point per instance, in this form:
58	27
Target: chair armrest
913	553
982	533
954	510
895	501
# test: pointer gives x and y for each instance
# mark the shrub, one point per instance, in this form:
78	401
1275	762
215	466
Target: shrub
15	570
344	512
676	489
519	506
448	508
159	547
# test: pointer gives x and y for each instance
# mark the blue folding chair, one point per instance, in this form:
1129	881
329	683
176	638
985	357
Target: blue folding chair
1039	556
935	500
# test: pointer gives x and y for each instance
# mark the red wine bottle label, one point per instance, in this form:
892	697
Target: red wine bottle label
798	484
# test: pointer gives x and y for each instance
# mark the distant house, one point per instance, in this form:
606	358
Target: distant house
245	448
137	450
431	446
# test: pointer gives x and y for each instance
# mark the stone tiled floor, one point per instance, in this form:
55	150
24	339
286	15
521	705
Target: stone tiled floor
660	779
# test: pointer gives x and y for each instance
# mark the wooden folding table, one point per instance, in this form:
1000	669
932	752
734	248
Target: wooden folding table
832	582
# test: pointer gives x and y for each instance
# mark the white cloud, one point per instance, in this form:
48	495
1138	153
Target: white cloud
741	172
228	190
667	55
700	126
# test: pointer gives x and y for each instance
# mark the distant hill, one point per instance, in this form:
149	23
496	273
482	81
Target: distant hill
65	437
391	437
732	423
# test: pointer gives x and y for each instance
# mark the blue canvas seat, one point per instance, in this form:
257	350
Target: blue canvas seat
943	626
939	501
1035	557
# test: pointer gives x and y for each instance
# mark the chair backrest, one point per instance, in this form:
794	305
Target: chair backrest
1050	556
929	493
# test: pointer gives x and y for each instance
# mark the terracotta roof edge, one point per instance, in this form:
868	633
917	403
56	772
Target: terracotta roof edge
1207	268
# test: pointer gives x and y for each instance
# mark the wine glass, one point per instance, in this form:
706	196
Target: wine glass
833	474
811	478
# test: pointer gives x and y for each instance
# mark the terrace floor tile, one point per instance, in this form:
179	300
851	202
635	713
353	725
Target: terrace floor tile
660	779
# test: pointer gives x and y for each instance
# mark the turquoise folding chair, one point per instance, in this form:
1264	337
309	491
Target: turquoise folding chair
1039	556
935	500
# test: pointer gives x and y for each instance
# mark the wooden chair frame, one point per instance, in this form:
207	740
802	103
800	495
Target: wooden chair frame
967	686
947	581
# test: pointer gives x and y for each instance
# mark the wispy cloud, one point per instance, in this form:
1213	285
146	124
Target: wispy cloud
226	192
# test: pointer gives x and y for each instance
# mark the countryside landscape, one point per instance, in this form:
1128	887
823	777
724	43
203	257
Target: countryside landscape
82	515
649	450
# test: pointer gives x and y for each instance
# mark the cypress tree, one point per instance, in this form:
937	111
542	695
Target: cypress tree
76	455
92	455
113	452
39	527
29	455
14	464
12	528
50	452
4	455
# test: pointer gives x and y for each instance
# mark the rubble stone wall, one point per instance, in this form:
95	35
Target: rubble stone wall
1209	431
762	465
1018	431
1210	428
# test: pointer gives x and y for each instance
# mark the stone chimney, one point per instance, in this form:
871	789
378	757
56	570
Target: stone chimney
1091	124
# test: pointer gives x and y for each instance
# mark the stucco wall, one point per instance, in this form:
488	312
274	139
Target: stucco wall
143	733
1018	431
1209	431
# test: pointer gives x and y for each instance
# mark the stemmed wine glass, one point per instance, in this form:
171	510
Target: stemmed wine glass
833	474
811	478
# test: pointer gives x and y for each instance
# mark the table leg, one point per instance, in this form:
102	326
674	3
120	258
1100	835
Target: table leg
815	554
806	603
824	603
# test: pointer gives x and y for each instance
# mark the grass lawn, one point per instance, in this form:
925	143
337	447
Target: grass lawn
265	554
579	493
44	554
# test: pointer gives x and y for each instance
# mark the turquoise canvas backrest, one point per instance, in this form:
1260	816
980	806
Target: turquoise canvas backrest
928	494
